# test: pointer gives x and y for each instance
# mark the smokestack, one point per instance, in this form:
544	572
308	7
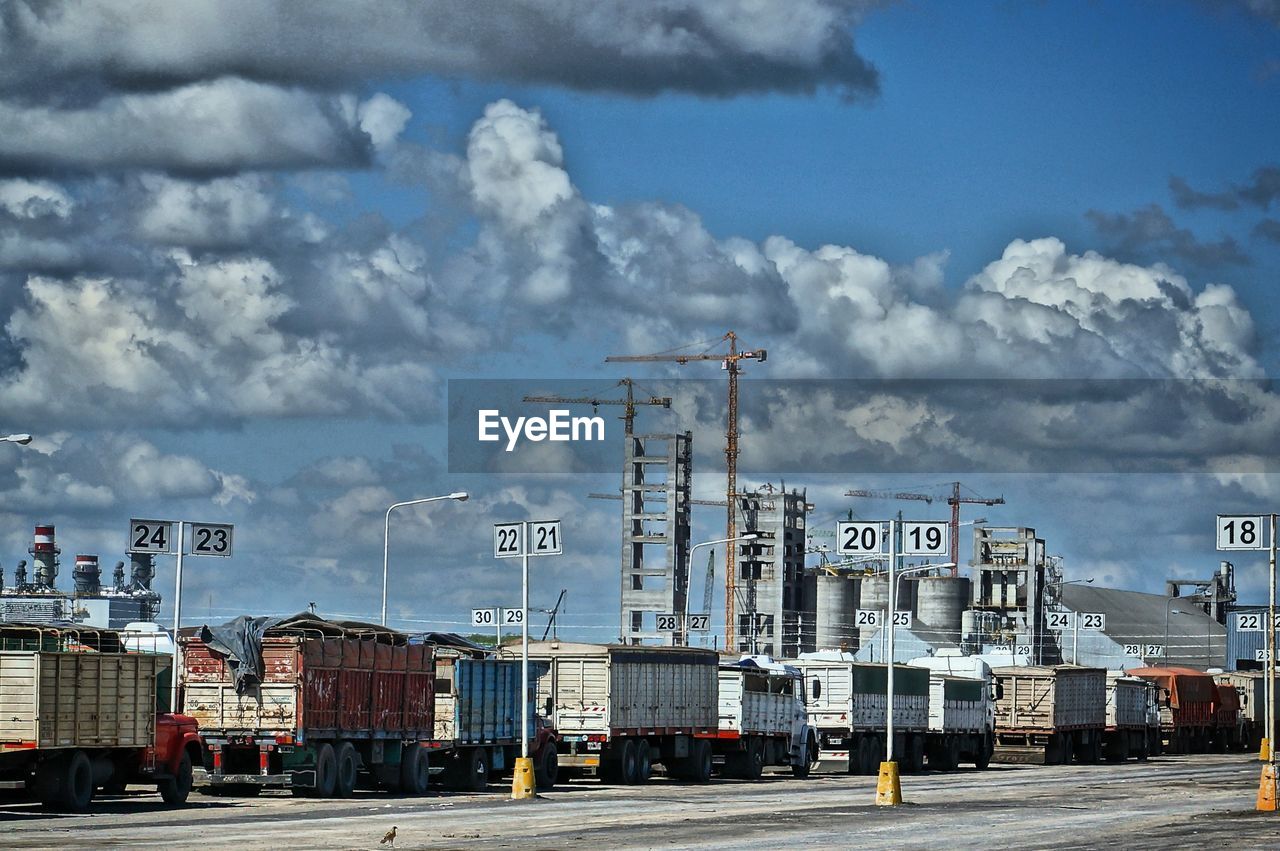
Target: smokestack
143	567
87	576
44	551
118	576
20	575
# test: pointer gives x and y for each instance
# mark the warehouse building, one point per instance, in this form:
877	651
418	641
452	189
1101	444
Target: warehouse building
1139	629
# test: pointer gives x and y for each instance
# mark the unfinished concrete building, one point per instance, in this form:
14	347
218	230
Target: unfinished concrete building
773	614
656	476
1009	579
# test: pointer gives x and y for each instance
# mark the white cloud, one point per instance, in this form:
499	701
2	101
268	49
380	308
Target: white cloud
31	199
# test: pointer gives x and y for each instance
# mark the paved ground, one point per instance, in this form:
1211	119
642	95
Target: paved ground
1171	802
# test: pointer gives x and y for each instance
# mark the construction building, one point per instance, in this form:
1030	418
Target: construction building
1010	576
656	482
773	613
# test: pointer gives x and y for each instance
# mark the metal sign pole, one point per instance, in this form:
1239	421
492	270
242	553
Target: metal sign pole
177	621
893	608
497	624
524	648
1271	649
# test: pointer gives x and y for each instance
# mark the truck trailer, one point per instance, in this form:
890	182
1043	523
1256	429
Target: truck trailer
310	705
847	707
962	710
1133	718
763	719
620	709
1050	714
78	715
1187	699
477	719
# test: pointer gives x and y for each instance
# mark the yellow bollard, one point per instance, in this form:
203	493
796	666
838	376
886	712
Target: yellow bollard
888	787
1267	789
522	780
1264	753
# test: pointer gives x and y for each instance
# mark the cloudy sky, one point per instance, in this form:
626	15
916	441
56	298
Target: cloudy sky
245	245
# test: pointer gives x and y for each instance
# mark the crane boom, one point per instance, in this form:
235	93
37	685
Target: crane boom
729	362
628	416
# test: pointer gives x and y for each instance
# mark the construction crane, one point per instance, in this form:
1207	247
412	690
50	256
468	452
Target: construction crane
729	363
720	503
629	411
553	611
922	497
710	583
955	501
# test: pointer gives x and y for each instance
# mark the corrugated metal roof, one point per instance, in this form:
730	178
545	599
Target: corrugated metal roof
1193	639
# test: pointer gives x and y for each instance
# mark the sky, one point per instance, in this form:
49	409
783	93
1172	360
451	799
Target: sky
244	247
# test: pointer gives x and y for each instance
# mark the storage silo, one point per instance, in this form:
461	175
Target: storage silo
835	599
875	596
940	605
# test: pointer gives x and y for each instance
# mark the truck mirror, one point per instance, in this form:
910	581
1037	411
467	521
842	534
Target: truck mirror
817	688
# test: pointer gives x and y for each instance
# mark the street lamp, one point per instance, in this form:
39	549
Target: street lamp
684	625
22	439
460	496
893	598
1167	612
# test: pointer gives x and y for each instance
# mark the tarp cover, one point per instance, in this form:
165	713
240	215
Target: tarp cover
240	641
1186	686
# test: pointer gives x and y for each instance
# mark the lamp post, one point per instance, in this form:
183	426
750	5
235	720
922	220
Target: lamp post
460	496
893	609
1168	611
684	622
22	439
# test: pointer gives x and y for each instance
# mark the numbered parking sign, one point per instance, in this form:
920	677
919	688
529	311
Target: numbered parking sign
512	617
902	619
211	539
508	540
151	536
856	538
869	618
1241	532
1058	621
924	539
544	538
668	623
484	617
699	622
1093	620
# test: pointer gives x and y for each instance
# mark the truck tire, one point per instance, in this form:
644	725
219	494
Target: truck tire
986	748
699	764
547	767
174	790
345	777
414	770
326	771
627	763
754	764
644	762
915	754
74	784
808	756
475	777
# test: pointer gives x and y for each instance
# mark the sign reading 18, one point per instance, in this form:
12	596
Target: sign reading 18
1241	531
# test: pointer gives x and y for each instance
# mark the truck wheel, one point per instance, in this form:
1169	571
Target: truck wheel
755	759
808	756
627	766
175	789
547	769
345	778
985	749
915	754
414	773
75	789
476	763
326	771
700	762
644	762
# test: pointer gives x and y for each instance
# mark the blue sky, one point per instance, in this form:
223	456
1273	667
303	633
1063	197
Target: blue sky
241	299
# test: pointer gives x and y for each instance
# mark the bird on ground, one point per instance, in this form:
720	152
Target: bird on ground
390	838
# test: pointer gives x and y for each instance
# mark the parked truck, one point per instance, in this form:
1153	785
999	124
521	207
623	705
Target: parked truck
1251	691
848	703
962	710
763	719
78	714
1133	719
309	705
1187	699
1050	714
477	718
619	710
